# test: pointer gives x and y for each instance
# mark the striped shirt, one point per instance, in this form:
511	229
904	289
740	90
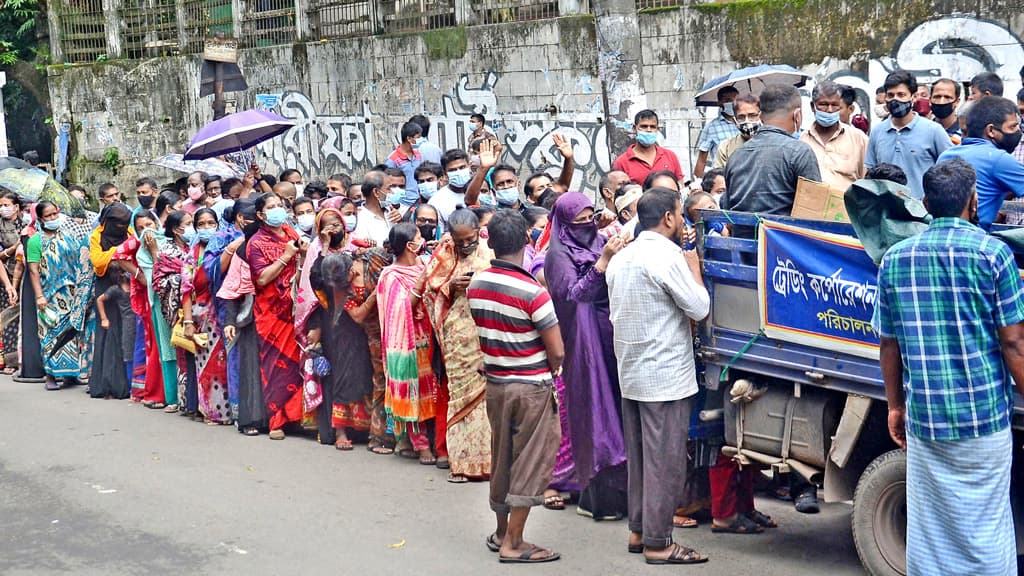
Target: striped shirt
510	309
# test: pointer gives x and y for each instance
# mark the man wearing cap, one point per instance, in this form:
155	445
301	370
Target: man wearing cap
625	211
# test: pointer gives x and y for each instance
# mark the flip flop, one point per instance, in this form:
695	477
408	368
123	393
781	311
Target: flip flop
680	555
635	548
443	463
251	431
492	542
686	522
428	461
554	502
343	445
762	519
741	525
457	479
527	557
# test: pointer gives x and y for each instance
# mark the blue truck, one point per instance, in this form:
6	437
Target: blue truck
791	364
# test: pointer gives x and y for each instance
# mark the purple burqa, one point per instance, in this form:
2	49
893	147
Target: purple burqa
580	296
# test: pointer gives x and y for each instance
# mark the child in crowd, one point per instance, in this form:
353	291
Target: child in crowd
119	295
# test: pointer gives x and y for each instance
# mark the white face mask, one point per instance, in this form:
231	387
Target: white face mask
305	221
299	189
6	211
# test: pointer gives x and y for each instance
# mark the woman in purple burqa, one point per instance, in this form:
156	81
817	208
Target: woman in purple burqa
580	295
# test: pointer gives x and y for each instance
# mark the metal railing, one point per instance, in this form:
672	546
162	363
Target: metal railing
93	30
649	4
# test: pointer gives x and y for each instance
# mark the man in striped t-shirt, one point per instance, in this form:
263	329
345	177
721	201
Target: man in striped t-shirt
522	350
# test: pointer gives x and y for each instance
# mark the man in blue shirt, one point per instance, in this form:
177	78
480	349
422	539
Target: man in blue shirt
993	132
906	139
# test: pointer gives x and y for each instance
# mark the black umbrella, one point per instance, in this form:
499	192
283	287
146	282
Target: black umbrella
12	162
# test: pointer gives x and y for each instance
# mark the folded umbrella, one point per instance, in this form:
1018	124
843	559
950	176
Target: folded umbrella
752	79
236	132
212	166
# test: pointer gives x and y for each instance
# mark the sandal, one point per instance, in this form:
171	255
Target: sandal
762	519
430	461
277	434
680	555
250	431
377	447
528	558
741	525
10	371
171	408
492	542
457	479
635	548
684	522
443	463
554	502
409	454
343	445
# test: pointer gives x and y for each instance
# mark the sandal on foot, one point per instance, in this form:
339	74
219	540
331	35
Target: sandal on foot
635	548
680	555
457	479
428	461
554	502
492	542
528	558
171	408
443	463
684	522
762	519
741	525
250	431
378	448
51	386
409	454
343	445
277	434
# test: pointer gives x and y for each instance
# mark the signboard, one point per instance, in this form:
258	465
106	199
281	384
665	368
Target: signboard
220	50
816	289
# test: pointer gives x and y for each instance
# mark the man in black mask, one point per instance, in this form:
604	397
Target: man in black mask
993	133
945	99
145	192
426	219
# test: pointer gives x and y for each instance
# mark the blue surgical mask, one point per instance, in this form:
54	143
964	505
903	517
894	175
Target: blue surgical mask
419	142
428	189
460	178
826	119
54	225
729	108
647	138
395	196
796	134
411	197
350	223
205	234
276	216
189	235
487	200
535	234
508	196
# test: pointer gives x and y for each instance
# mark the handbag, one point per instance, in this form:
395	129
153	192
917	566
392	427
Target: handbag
178	337
244	316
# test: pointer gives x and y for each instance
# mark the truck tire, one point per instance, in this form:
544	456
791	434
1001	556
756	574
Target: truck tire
880	515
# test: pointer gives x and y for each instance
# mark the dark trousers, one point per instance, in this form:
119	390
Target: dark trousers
655	434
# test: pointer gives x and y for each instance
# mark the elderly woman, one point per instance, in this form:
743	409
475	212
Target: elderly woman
460	255
62	281
574	270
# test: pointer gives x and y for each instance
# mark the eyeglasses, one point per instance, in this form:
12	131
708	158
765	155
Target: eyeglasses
741	118
425	221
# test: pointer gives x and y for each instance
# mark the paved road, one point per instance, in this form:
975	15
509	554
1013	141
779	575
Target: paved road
110	488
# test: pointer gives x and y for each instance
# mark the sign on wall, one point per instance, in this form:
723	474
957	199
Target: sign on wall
816	289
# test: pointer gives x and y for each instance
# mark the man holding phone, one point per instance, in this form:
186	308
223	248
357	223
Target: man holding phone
375	219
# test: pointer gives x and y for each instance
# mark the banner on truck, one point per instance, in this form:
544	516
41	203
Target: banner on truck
816	289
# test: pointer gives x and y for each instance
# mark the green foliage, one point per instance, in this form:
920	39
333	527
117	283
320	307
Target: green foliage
446	43
112	159
18	30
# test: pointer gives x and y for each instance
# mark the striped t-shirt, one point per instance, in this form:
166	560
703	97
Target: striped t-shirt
510	309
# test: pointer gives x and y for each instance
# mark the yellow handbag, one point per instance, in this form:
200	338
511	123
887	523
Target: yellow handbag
178	338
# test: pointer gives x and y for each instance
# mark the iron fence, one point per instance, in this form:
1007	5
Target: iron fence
83	30
498	11
202	18
413	15
268	23
343	18
150	28
651	4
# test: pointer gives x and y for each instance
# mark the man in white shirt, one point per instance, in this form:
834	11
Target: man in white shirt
655	290
374	223
453	196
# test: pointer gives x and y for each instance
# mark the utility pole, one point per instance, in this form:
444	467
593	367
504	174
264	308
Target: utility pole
620	64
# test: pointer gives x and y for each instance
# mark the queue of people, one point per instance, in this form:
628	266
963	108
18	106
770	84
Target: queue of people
444	311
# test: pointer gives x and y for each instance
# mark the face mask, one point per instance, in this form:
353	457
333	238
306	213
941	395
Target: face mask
6	211
474	126
942	111
195	193
535	234
428	231
487	200
411	197
395	196
584	233
748	129
26	219
826	119
881	110
54	225
414	247
360	203
305	222
899	109
146	201
469	249
729	108
428	189
1009	142
796	134
508	196
350	223
299	189
460	178
276	216
189	235
419	142
205	234
647	138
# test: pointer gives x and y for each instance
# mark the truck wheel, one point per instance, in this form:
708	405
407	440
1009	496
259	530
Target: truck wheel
880	515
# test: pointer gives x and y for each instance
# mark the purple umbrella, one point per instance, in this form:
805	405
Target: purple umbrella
236	132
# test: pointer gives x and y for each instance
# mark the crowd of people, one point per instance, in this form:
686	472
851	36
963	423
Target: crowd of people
440	309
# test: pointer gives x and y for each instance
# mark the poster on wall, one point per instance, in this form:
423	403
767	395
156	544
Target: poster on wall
816	289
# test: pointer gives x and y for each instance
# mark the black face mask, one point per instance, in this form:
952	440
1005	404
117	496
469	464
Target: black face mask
1008	143
942	111
428	231
899	109
337	240
146	201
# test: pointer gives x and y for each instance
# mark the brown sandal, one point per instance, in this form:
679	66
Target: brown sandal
343	445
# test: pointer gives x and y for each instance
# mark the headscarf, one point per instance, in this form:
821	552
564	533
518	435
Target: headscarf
115	222
581	242
306	299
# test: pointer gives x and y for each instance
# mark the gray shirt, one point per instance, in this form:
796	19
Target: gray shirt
915	148
761	175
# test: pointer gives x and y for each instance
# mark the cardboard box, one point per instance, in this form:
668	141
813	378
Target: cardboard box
818	201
